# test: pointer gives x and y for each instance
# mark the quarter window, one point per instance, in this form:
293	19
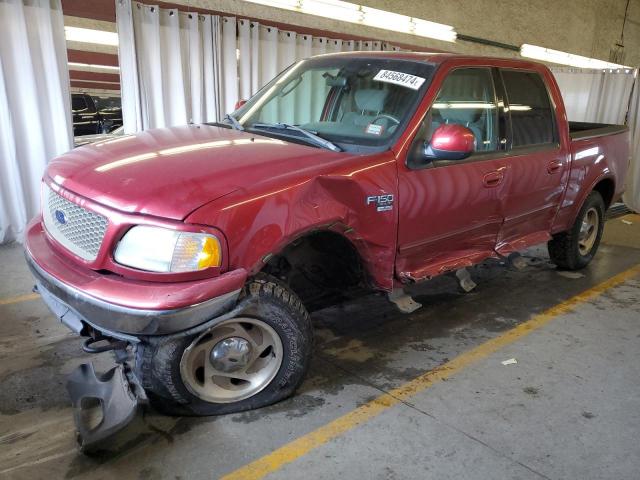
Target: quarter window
467	98
531	112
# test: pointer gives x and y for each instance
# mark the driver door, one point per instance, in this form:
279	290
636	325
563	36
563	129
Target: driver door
450	210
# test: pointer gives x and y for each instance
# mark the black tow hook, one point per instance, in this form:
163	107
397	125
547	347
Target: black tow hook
88	345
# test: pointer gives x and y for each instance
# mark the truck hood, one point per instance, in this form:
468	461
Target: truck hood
170	172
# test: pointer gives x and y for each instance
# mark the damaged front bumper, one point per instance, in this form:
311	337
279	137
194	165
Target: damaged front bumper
120	306
121	312
78	310
103	404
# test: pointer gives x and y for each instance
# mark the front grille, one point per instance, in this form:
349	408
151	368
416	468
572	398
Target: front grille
79	230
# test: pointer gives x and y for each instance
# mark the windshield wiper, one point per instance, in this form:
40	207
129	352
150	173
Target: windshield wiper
317	139
234	122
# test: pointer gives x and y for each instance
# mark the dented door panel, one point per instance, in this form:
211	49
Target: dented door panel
448	218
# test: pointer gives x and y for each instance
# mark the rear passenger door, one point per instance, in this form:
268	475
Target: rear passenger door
537	164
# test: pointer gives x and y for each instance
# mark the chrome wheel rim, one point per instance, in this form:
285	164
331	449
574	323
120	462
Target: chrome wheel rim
232	361
588	231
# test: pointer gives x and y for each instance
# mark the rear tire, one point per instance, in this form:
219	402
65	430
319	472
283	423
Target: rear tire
280	347
575	248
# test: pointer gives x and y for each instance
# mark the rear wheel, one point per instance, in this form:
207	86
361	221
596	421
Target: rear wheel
574	249
254	359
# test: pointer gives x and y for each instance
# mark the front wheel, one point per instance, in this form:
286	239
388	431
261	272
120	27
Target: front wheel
574	249
254	359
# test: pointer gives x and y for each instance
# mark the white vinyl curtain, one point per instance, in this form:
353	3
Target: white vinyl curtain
35	106
179	67
632	195
170	65
606	97
264	51
595	96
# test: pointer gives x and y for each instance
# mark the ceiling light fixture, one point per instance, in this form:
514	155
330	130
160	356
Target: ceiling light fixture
371	17
90	66
87	35
564	58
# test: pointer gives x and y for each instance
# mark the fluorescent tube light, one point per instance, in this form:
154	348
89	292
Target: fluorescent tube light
424	28
336	9
385	20
87	35
90	66
371	17
564	58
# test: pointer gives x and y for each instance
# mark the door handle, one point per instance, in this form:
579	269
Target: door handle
554	166
493	179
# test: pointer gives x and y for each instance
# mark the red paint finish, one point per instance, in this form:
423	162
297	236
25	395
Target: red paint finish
448	218
121	291
593	160
258	194
453	138
331	195
170	172
537	180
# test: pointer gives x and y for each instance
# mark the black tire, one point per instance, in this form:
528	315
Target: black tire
266	299
564	248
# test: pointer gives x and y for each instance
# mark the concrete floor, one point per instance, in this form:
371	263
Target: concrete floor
570	407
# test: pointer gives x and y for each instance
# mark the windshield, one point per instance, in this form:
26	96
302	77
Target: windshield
356	103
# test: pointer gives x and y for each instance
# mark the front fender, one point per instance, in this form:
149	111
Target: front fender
261	222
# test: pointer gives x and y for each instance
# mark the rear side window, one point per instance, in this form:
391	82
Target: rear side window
531	112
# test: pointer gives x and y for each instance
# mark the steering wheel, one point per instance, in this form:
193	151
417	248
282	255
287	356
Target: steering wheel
388	117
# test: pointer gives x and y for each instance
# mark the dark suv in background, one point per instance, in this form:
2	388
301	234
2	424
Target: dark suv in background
95	115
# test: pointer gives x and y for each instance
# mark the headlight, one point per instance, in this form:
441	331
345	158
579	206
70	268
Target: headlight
159	249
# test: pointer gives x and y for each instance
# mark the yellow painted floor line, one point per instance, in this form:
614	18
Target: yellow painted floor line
305	444
19	298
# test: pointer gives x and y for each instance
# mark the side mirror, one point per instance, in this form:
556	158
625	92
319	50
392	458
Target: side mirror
450	142
239	103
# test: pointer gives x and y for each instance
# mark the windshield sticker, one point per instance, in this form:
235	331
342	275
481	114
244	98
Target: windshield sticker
399	78
373	129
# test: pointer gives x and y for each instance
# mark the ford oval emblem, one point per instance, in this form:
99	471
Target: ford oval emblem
60	217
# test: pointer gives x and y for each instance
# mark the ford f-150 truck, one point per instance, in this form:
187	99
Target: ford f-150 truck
195	253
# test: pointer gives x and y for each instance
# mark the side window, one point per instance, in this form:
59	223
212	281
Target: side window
467	98
531	111
78	103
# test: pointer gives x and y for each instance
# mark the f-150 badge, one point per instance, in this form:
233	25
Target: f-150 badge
383	203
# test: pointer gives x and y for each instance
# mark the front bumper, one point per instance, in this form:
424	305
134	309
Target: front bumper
120	307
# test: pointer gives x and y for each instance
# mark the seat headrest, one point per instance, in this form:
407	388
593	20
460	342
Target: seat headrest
371	100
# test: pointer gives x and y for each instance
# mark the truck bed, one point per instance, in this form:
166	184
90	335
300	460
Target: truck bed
583	130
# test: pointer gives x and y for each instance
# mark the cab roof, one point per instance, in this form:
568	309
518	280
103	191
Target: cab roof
439	57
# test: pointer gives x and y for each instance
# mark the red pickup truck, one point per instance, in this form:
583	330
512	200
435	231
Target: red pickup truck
195	253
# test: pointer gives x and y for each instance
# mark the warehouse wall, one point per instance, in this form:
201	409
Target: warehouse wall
584	27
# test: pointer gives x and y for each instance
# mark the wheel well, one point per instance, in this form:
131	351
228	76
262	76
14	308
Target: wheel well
606	188
322	268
